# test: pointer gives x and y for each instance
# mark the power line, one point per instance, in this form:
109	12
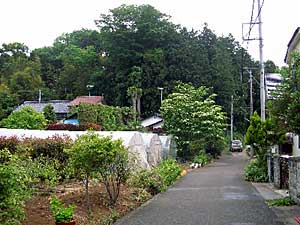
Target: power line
252	24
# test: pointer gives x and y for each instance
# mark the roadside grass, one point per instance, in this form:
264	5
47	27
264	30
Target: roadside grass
281	202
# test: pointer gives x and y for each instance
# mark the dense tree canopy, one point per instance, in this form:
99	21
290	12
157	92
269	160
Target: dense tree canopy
132	38
287	118
190	114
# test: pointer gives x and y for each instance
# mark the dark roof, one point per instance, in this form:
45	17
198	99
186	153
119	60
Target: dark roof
60	106
87	99
289	44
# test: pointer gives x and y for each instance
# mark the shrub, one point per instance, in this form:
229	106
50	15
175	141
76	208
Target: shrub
10	143
60	212
51	147
169	170
255	172
14	190
25	118
43	170
92	154
72	127
151	181
49	113
287	201
90	126
202	159
62	126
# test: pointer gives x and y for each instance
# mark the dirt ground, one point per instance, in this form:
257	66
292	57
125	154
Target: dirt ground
38	208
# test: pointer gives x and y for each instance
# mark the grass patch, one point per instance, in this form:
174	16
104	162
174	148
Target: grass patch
280	202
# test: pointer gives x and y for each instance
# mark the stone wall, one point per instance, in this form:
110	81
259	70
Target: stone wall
294	181
276	161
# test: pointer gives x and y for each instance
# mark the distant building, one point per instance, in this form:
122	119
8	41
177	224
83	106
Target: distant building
153	122
272	82
94	100
61	107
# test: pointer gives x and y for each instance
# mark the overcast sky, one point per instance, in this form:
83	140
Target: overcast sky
37	23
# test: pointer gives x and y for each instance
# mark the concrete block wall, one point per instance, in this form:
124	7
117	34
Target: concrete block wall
294	179
276	160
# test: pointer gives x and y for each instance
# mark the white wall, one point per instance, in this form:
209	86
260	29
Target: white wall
296	149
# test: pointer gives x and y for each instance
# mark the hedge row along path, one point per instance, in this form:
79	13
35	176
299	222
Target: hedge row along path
213	195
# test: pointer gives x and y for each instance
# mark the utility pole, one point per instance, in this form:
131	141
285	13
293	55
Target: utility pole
231	120
261	67
40	95
251	96
252	23
161	94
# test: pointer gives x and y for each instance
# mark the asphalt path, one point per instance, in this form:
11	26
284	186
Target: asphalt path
213	195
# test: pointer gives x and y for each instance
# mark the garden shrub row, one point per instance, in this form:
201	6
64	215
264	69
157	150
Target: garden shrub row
158	179
72	127
52	147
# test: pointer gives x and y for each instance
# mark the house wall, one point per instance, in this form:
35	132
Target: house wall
296	149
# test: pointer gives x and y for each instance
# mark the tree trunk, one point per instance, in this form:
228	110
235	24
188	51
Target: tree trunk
87	196
139	106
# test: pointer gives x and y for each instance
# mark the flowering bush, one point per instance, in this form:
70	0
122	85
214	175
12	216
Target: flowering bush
10	143
72	127
62	126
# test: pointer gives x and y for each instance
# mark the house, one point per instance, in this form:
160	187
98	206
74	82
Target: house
61	107
293	45
94	100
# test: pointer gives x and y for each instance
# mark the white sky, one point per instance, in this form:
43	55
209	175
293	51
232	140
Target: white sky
37	23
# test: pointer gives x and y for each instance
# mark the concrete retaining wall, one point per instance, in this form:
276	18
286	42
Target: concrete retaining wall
294	180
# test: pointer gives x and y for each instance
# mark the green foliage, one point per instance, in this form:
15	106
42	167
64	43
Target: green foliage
287	118
256	172
202	159
287	201
110	218
43	171
60	212
169	170
111	118
191	114
49	114
7	101
14	190
136	45
94	156
25	118
150	181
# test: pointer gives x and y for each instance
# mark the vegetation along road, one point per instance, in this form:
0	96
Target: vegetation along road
214	195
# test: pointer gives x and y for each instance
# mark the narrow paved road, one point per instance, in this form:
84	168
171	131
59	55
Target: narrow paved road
214	195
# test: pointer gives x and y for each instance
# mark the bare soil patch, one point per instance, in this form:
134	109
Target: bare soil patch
38	208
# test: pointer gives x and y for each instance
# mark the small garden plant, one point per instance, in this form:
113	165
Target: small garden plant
287	201
60	212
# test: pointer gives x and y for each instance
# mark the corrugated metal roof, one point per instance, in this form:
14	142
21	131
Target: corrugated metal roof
60	106
151	121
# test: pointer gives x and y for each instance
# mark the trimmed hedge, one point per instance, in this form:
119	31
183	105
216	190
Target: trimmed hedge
72	127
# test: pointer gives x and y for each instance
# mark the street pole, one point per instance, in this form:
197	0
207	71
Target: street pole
251	95
161	97
231	120
261	67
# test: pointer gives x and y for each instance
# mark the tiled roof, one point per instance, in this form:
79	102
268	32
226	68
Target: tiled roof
86	99
60	106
